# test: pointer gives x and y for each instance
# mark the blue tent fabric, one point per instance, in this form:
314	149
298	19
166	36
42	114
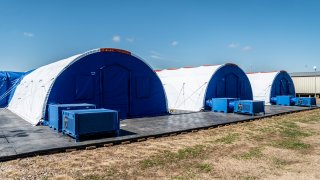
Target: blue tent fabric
282	85
3	89
229	81
8	82
111	80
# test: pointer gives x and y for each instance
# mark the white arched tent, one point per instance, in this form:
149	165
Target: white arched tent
31	94
188	88
266	85
107	77
185	87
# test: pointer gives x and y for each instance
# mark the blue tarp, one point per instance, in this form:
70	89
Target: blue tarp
8	82
3	88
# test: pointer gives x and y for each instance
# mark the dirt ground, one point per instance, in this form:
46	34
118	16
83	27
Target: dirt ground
282	147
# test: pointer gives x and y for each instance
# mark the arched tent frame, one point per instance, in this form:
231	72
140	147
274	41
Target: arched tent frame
59	69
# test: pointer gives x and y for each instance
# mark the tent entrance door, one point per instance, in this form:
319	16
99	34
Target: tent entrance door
115	89
284	87
232	86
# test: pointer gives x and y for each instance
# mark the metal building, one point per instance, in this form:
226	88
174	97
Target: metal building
306	83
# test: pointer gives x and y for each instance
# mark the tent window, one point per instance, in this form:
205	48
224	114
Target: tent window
143	87
84	87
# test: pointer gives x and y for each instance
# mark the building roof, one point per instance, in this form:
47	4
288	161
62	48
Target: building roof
305	74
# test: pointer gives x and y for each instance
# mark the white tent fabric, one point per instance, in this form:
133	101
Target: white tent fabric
186	87
261	84
31	95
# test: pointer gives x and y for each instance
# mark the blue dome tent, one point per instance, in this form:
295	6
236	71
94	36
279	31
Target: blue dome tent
109	78
282	85
229	81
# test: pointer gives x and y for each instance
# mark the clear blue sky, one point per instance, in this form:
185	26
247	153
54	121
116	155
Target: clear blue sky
258	35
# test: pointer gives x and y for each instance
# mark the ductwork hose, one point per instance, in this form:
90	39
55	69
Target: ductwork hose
209	103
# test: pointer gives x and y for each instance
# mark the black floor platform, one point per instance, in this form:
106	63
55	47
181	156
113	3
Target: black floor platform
19	139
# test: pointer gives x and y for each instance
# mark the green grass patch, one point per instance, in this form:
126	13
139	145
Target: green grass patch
294	133
112	171
288	124
290	143
259	137
249	178
173	157
189	152
313	117
292	130
151	162
204	167
279	163
92	177
253	153
228	139
177	178
290	135
186	174
266	129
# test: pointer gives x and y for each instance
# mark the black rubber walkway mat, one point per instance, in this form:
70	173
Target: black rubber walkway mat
19	139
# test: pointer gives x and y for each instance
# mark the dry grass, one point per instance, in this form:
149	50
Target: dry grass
285	147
